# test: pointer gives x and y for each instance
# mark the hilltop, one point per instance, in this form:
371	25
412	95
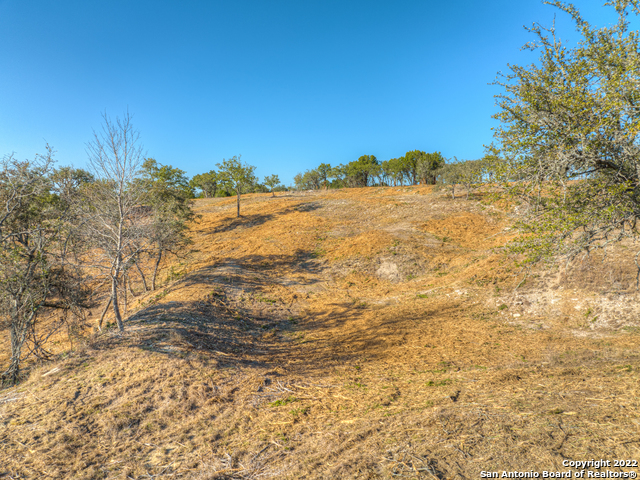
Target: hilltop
352	333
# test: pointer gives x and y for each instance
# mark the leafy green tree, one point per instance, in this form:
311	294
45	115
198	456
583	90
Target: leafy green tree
337	173
385	173
450	175
272	181
169	194
471	174
312	179
396	170
258	187
36	274
412	161
206	182
324	173
237	176
69	180
309	180
358	173
568	144
428	165
172	179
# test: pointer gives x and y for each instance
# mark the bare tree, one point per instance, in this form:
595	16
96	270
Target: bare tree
116	222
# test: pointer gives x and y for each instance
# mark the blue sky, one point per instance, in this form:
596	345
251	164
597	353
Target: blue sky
287	84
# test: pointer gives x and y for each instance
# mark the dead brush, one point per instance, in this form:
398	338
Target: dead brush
281	392
228	467
405	464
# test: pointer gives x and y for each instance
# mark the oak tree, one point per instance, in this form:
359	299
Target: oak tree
569	140
237	176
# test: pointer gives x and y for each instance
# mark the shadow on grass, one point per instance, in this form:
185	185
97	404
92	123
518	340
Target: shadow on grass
237	324
244	221
230	223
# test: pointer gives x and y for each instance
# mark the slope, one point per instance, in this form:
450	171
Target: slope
359	333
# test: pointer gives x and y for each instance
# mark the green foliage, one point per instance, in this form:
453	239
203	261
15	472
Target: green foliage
324	173
237	176
310	180
206	182
568	146
284	401
469	173
361	172
272	181
35	276
428	166
367	171
171	180
169	194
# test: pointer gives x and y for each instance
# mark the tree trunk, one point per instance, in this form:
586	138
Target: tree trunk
19	328
155	271
124	293
114	301
131	291
144	280
238	197
104	312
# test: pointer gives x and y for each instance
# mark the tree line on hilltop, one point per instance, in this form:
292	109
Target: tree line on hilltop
415	167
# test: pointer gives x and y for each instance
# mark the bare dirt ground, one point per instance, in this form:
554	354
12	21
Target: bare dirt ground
359	333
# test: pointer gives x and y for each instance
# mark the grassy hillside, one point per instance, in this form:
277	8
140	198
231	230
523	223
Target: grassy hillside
359	333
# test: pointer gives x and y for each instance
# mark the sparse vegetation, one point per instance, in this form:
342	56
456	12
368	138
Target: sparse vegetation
354	333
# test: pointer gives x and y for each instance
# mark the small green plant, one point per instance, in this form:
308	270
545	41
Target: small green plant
283	401
270	301
439	383
173	275
504	306
299	411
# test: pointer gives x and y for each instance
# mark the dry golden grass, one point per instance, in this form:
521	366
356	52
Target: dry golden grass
360	333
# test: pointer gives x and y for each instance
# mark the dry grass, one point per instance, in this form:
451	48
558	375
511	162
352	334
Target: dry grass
361	333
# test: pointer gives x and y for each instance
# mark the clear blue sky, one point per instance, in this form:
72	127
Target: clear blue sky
287	84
